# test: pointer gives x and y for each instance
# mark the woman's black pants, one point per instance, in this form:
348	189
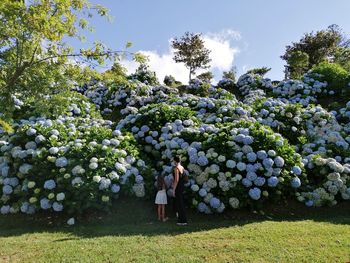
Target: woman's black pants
180	205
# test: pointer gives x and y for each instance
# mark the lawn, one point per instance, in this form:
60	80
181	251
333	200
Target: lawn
131	233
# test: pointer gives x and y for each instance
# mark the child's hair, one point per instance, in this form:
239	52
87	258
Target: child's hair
160	182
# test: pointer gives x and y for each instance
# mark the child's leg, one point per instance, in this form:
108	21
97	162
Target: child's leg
159	212
163	212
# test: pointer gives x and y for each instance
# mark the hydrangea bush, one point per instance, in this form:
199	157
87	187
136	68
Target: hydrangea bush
269	143
68	164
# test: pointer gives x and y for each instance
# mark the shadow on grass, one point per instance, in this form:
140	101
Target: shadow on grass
131	217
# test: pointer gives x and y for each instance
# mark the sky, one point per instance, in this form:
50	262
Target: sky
241	33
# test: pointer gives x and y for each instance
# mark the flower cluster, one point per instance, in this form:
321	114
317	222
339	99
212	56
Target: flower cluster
329	181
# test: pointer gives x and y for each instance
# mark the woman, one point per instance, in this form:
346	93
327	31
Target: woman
178	190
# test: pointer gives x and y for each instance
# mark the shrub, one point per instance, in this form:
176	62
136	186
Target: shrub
336	77
68	165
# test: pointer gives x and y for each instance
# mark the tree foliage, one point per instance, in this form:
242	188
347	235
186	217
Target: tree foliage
342	57
259	71
231	74
318	46
206	76
143	72
298	64
34	57
190	50
335	75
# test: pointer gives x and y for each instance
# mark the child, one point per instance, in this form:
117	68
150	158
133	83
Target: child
161	198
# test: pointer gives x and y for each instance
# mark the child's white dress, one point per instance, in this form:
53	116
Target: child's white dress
161	198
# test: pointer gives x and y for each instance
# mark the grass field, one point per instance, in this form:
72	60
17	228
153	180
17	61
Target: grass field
131	233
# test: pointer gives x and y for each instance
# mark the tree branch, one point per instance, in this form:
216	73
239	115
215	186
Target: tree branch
82	55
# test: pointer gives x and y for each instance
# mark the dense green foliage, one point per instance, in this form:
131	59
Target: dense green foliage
314	48
337	77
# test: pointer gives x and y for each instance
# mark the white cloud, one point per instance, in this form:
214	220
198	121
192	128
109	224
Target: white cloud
222	55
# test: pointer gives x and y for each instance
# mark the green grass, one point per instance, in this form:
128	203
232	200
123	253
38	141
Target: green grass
130	233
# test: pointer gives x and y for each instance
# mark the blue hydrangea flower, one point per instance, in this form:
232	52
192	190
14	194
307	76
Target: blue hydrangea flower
296	170
230	164
7	189
296	183
214	202
31	132
202	192
239	138
246	182
241	166
49	184
251	168
5	171
272	181
202	161
202	207
39	139
5	209
259	181
279	161
255	193
145	128
57	207
104	183
268	162
251	176
251	157
139	179
115	188
141	134
149	139
117	133
13	181
262	154
309	203
45	203
248	140
61	162
24	207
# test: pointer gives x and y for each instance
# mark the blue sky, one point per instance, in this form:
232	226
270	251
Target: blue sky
253	32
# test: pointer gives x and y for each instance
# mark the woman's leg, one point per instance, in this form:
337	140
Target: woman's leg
174	204
181	207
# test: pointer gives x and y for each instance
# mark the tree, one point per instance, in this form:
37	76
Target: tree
170	81
298	64
143	73
342	57
231	74
319	46
259	71
116	74
206	76
190	49
34	58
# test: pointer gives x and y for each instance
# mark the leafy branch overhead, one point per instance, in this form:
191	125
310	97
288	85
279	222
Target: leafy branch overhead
34	58
190	50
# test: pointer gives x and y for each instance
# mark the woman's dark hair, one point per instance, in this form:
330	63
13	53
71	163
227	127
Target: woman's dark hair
160	182
177	159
